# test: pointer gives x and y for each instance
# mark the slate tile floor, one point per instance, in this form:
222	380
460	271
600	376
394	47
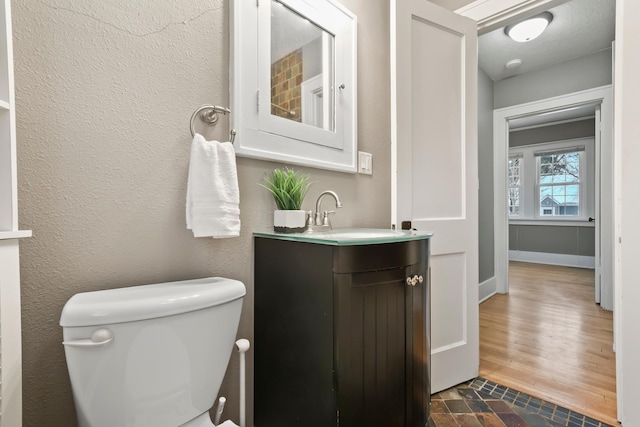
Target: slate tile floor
482	403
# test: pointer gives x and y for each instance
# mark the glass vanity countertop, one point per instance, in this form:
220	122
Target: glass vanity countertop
349	236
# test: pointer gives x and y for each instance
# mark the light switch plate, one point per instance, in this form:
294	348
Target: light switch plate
365	163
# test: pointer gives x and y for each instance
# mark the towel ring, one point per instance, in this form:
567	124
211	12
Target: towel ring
209	115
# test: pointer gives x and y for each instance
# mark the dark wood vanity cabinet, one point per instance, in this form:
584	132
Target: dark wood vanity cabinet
341	334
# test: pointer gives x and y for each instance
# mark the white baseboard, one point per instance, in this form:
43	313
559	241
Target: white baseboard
579	261
487	289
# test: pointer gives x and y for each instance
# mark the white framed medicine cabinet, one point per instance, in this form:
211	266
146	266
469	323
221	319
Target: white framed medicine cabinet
293	82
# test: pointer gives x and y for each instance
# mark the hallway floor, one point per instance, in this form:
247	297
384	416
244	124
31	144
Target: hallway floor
548	338
482	403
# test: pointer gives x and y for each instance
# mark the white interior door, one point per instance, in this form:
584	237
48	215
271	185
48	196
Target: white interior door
436	182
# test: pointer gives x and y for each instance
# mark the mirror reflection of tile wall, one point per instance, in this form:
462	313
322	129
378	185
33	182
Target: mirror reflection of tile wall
286	79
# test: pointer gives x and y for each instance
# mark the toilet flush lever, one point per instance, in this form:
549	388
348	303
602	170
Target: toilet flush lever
98	338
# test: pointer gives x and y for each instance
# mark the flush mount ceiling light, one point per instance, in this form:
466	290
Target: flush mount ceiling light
514	63
530	29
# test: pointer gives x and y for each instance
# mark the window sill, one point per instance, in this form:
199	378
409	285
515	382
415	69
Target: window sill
17	234
554	222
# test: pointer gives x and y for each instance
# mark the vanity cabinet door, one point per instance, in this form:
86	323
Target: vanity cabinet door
418	351
381	347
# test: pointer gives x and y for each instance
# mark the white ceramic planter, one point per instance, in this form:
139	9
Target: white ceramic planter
289	221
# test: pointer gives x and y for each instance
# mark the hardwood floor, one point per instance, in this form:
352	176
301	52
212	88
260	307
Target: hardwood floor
548	338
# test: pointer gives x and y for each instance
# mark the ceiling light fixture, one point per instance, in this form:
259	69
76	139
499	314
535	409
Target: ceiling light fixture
529	29
514	63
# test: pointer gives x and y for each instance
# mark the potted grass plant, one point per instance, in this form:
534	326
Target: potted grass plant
288	188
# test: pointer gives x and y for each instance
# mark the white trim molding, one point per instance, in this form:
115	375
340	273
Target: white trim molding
487	289
492	14
579	261
552	223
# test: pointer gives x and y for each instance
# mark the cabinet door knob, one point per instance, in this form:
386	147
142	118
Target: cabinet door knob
411	281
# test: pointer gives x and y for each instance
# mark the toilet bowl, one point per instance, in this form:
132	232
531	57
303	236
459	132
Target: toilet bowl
151	355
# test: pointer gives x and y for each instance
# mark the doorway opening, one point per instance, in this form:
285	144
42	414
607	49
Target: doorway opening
490	18
601	98
559	185
543	327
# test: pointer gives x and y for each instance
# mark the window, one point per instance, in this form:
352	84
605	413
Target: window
552	181
515	166
559	183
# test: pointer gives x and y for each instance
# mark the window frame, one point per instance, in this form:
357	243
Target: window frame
509	186
530	185
582	190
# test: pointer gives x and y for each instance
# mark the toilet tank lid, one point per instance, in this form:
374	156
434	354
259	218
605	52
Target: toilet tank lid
148	301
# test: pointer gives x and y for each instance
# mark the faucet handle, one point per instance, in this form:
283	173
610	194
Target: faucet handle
325	217
309	223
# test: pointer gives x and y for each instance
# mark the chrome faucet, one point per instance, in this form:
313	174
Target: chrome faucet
321	219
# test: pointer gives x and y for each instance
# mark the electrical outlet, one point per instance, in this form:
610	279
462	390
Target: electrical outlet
365	163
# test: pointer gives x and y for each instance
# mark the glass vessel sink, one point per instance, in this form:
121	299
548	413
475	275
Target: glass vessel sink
350	236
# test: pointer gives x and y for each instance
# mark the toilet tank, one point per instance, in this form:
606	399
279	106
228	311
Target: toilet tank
151	355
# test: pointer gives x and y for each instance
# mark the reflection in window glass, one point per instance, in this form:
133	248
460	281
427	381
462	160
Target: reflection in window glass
559	183
514	177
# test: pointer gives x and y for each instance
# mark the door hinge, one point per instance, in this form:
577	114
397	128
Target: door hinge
258	101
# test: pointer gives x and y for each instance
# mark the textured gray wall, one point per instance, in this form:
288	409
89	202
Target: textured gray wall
485	176
104	94
558	132
571	76
552	239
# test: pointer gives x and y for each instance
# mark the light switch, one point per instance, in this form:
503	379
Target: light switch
365	163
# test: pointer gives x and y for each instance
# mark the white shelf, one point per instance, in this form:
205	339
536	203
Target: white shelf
557	222
4	105
17	234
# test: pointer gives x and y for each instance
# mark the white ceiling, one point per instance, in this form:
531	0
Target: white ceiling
579	28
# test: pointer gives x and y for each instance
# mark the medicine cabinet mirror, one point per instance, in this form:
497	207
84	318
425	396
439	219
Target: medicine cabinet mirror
293	82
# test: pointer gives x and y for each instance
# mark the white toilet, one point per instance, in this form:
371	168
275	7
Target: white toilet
152	355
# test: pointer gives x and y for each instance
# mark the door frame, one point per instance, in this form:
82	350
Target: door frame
602	96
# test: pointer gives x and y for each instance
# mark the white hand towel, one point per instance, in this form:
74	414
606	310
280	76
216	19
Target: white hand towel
213	197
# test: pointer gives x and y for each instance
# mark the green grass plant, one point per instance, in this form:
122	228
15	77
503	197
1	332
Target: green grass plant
288	188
